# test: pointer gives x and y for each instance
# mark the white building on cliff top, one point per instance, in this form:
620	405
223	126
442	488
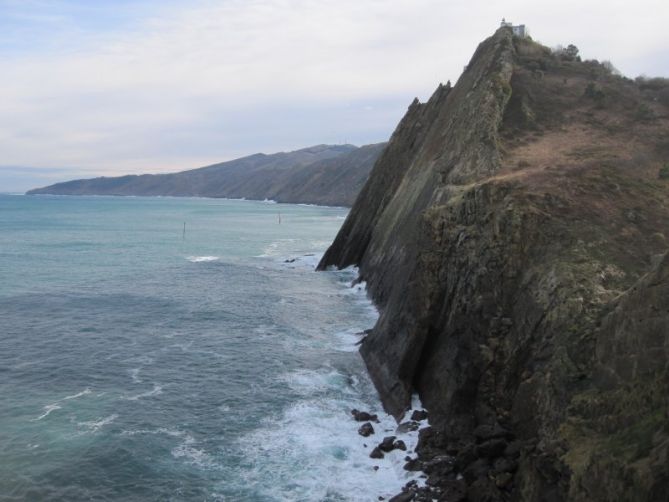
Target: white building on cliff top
518	30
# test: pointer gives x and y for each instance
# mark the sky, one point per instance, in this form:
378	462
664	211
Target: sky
103	88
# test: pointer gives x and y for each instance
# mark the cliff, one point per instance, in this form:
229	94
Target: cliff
514	235
323	174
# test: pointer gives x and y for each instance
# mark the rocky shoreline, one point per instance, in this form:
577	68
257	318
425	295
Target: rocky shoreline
478	468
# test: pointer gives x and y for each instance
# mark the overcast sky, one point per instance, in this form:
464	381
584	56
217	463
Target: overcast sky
96	87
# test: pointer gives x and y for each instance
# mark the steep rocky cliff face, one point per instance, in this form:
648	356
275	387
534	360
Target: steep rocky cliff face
512	233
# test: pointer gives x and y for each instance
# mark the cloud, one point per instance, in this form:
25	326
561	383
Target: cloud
151	86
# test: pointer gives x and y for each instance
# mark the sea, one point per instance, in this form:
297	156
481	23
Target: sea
156	348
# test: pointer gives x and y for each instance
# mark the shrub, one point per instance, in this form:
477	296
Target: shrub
663	174
654	84
644	112
608	66
569	53
593	92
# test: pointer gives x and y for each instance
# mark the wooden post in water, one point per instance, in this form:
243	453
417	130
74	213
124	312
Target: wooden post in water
183	235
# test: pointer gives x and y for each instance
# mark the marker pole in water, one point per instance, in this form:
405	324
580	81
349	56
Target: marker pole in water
183	236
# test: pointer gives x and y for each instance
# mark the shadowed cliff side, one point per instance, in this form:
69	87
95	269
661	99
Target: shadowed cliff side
510	232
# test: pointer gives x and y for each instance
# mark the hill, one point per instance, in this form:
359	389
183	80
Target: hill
323	174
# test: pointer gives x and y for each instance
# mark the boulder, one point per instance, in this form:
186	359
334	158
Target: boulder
366	429
388	444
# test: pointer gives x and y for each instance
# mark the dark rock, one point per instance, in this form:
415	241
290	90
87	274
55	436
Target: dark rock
487	432
477	469
388	444
513	449
291	260
465	457
364	332
504	464
454	491
376	453
366	429
431	442
363	416
419	415
492	448
434	480
399	445
484	490
376	467
403	497
413	465
441	464
503	480
506	321
405	427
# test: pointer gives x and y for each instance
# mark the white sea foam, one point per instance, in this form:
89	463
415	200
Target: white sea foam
157	390
310	382
202	259
84	392
96	425
47	410
186	449
349	340
134	374
161	430
55	406
313	452
192	455
277	248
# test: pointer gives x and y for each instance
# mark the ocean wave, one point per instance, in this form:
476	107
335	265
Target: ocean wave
310	382
349	340
156	391
187	448
276	248
96	425
84	392
202	259
47	410
193	455
134	374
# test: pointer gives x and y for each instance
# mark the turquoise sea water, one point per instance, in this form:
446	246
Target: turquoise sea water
136	364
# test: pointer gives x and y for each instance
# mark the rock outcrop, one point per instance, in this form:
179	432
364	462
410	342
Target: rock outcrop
513	233
323	174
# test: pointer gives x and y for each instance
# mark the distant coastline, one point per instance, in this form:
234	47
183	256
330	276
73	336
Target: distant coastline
322	175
